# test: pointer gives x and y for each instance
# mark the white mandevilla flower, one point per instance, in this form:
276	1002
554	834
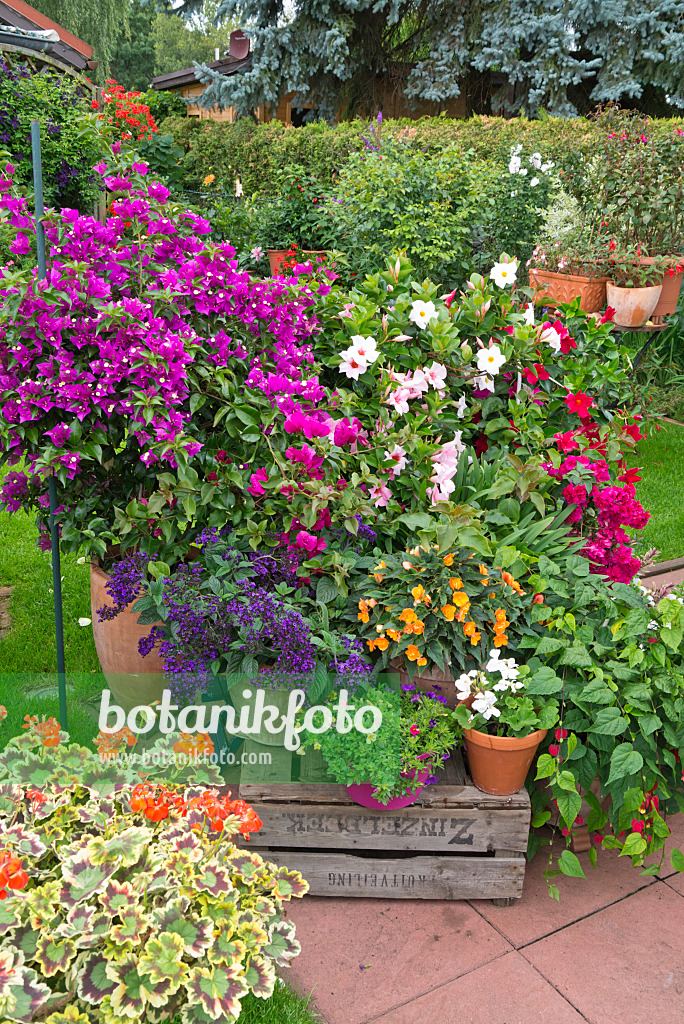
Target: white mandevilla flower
545	168
483	382
436	376
536	160
490	360
503	274
551	337
523	171
528	315
422	313
485	705
398	457
352	364
399	400
461	407
366	348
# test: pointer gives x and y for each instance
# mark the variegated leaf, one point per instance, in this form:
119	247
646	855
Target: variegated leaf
31	771
10	795
41	903
25	938
253	935
10	914
134	989
288	884
26	994
23	841
83	879
246	865
54	954
162	959
104	780
196	933
93	984
132	924
78	920
218	990
226	950
69	1015
282	945
260	975
126	846
117	896
214	880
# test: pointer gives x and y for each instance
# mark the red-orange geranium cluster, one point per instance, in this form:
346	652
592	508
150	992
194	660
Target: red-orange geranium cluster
12	874
133	119
158	802
110	743
47	729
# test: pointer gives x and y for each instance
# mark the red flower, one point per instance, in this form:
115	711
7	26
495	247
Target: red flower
95	105
538	599
554	750
213	477
631	476
637	826
579	403
608	316
561	734
12	874
566	442
538	373
634	432
482	444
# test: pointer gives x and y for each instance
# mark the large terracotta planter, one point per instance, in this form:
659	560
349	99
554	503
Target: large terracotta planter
557	288
439	680
633	306
671	284
275	259
499	764
132	679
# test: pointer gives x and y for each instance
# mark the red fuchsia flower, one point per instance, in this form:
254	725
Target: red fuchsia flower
637	826
12	874
561	734
307	542
536	374
631	476
608	317
554	750
598	838
579	403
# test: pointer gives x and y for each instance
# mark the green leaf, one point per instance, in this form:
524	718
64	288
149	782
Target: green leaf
634	845
546	766
625	760
577	656
672	636
609	722
566	780
326	590
677	860
569	806
544	681
570	865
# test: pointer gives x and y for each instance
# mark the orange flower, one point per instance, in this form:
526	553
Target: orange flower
382	643
420	595
462	612
460	599
418	627
448	559
412	653
363	616
500	640
484	571
508	579
421	662
500	614
371	644
469	628
372	603
449	611
408	615
393	634
407	565
475	639
456	583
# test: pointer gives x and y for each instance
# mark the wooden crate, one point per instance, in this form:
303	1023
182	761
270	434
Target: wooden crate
454	843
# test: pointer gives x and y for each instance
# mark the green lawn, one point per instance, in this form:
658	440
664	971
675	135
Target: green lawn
661	490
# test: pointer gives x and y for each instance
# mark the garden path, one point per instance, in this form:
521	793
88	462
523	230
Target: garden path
611	947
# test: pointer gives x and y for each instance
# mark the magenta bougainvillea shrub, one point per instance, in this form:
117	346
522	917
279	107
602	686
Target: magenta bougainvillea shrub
114	372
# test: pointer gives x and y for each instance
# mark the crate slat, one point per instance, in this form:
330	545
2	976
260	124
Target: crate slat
426	878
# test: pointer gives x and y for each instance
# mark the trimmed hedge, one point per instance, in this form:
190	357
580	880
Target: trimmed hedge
258	151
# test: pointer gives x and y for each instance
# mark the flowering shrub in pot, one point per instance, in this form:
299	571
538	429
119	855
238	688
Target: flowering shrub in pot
569	270
137	904
388	767
506	719
634	287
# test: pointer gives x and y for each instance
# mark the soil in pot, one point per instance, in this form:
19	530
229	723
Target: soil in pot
132	679
557	288
633	306
499	764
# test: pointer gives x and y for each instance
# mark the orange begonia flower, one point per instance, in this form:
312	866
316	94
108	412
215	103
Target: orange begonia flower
508	579
448	559
418	627
484	571
448	611
408	615
475	638
469	628
421	662
460	599
499	641
363	617
393	634
412	652
420	595
456	583
382	643
371	644
462	612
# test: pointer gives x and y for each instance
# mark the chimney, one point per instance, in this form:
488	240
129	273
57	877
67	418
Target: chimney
239	45
217	53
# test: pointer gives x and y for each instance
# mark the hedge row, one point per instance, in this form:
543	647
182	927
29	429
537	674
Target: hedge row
258	151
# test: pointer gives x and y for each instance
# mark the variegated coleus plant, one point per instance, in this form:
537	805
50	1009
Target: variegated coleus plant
124	919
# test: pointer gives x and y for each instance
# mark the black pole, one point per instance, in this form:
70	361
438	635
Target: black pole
52	483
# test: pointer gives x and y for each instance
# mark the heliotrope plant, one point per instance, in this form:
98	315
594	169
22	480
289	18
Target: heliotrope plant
130	901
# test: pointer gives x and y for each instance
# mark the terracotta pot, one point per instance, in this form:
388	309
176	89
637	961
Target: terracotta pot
132	679
499	764
272	698
312	253
633	306
558	288
672	285
275	259
439	680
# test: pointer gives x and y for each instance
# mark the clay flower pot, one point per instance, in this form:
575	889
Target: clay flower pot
633	306
132	679
672	285
273	697
499	764
441	679
555	287
275	259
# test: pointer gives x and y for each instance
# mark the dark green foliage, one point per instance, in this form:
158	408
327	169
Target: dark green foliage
133	57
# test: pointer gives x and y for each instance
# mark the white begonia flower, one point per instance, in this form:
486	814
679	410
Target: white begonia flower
366	348
523	171
422	313
483	382
352	364
503	274
461	407
485	705
534	182
514	165
463	687
490	360
536	160
436	376
528	315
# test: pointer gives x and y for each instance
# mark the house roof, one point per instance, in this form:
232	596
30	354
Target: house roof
175	79
69	48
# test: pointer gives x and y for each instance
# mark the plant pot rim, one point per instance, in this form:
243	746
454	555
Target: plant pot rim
570	277
483	739
640	288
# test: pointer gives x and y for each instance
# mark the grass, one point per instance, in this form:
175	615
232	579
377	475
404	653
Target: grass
661	490
284	1007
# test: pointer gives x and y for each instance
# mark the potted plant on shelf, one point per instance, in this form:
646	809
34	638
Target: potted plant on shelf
634	286
386	769
430	614
298	217
507	719
561	272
